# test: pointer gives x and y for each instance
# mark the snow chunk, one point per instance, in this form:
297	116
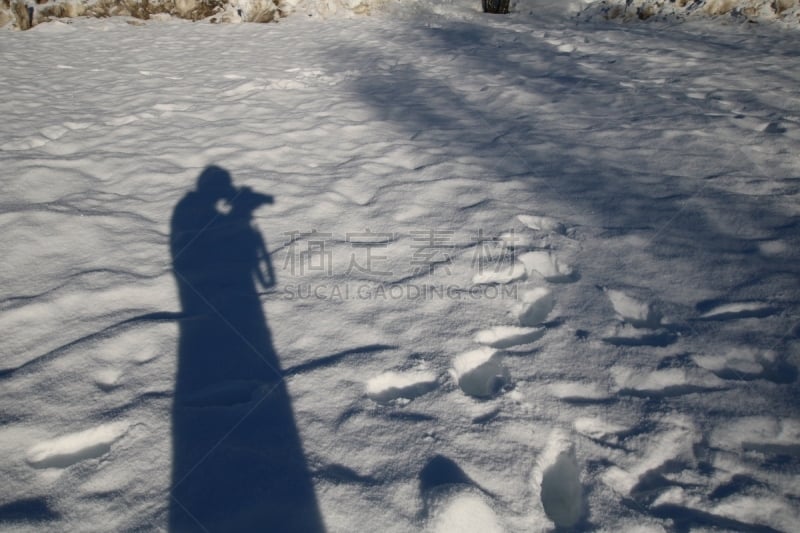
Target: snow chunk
638	313
502	276
738	310
67	450
479	372
577	392
542	223
107	378
666	382
548	266
535	306
515	240
507	336
466	513
394	385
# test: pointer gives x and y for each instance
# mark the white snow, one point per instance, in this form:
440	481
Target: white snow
638	313
557	479
542	223
502	275
467	513
736	310
547	265
570	391
614	202
599	429
480	372
502	337
66	450
667	381
535	306
395	385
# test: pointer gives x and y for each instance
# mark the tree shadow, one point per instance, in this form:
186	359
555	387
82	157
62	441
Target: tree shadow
238	462
583	144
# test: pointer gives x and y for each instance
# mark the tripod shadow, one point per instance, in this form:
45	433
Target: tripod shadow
238	463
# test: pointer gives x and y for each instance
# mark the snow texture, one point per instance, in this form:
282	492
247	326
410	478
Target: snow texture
425	270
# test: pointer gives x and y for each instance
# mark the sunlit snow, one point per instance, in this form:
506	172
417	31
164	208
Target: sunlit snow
422	269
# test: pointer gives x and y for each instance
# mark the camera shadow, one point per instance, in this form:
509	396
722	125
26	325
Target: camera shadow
238	462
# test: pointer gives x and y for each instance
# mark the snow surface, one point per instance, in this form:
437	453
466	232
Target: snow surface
654	388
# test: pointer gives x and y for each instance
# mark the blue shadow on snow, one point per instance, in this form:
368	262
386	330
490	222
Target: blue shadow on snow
238	462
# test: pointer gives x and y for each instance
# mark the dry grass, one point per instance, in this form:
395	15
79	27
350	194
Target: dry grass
141	9
20	12
779	6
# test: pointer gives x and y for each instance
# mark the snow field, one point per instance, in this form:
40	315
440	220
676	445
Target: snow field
633	157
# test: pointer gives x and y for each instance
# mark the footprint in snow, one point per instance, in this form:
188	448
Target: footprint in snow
764	434
664	382
637	313
441	472
453	502
641	322
534	306
557	477
668	445
747	363
480	373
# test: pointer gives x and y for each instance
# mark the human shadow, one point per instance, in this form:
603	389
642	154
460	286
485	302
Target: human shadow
238	462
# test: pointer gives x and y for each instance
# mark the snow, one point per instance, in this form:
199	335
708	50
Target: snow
638	313
393	385
547	265
66	450
557	478
535	306
542	223
507	336
518	273
480	373
467	513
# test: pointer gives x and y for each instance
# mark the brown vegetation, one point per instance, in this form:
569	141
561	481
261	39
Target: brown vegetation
20	11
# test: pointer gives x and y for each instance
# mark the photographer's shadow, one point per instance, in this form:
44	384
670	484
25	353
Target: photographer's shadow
238	463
